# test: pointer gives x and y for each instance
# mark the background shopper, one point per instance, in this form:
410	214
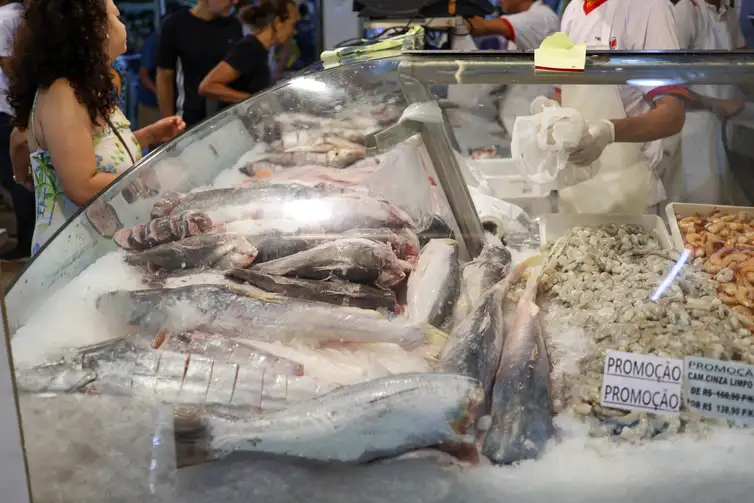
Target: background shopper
21	197
245	69
192	43
79	139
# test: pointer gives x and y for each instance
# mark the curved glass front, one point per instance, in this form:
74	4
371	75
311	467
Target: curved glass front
443	277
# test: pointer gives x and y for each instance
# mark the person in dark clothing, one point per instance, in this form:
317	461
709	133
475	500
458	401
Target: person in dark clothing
305	39
192	42
245	69
22	198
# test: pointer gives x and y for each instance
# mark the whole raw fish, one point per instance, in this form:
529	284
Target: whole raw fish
354	259
242	312
353	424
206	250
404	242
476	344
329	157
333	291
477	277
433	286
210	199
118	367
225	350
334	213
521	400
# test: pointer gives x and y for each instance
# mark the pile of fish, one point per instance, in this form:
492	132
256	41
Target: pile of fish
316	320
617	285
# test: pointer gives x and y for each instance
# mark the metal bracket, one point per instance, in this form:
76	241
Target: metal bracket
382	141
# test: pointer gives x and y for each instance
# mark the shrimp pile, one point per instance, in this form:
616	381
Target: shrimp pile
723	246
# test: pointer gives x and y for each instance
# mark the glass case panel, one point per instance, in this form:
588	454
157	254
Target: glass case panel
377	265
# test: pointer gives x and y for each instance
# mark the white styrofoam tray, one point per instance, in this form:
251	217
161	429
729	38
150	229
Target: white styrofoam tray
683	210
556	225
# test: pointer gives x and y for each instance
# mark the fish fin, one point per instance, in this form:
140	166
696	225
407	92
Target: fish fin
530	293
434	336
261	296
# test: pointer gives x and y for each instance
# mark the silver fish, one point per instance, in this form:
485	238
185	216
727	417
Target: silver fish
476	344
332	157
353	424
521	398
210	199
433	286
355	259
478	276
244	312
331	213
121	368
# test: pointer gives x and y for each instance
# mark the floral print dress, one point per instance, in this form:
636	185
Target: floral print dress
53	207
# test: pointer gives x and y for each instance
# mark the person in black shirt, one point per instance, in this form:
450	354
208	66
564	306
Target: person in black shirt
245	69
192	42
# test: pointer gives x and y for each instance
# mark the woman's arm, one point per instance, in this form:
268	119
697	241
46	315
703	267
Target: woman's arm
19	156
66	133
215	84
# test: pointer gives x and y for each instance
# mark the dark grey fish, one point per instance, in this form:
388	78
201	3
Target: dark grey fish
478	276
206	250
476	344
333	291
273	247
355	259
521	400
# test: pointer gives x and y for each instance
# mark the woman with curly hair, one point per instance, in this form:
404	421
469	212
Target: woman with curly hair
61	92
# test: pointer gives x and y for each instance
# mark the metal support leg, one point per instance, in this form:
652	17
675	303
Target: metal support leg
448	172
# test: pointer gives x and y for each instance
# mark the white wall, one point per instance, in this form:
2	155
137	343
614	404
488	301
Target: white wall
339	21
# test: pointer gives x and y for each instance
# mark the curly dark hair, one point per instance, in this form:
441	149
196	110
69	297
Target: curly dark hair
61	39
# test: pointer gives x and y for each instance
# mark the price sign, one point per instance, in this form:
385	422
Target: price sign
718	389
642	383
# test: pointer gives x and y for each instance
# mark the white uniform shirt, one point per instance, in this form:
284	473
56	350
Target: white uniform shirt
531	27
637	25
701	26
10	15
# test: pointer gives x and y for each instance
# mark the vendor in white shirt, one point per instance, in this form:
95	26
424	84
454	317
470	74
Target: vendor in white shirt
647	114
701	26
526	24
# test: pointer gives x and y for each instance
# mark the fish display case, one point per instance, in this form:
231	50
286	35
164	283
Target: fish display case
316	295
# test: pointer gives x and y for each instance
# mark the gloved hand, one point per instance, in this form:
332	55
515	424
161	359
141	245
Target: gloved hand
573	174
540	103
598	135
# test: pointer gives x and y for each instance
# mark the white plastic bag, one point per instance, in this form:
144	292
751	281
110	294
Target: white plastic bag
499	217
542	143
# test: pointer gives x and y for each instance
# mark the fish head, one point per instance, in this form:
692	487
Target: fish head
342	157
496	254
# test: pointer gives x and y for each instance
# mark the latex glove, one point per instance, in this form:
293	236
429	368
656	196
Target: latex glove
573	174
539	103
598	135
